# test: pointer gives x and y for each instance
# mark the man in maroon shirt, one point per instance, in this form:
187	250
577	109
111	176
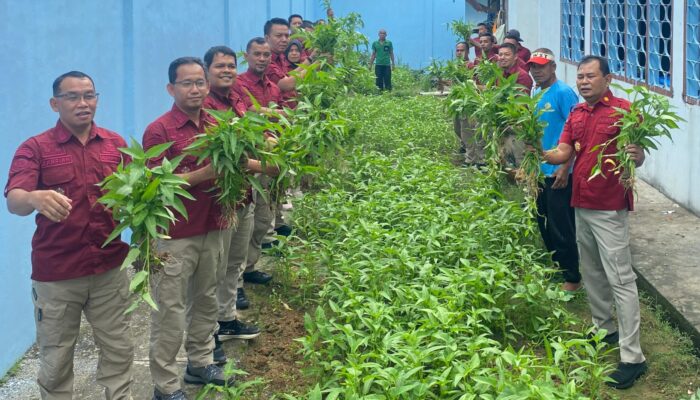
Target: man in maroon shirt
487	48
513	37
56	173
188	282
601	205
256	84
508	61
221	64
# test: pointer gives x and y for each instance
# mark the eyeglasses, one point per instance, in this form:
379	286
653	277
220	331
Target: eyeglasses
76	97
201	84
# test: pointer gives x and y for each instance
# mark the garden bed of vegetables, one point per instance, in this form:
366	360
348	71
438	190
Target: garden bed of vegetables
421	280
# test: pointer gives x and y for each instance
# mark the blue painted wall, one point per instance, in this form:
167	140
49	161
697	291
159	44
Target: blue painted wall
126	46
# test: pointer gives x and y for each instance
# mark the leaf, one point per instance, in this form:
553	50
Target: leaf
138	279
116	232
146	296
133	254
157	150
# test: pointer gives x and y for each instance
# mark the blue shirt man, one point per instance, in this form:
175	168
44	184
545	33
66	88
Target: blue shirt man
559	99
556	216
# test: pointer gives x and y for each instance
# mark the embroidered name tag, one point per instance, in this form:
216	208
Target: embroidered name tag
55	161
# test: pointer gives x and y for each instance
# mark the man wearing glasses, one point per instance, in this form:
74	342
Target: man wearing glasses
55	174
185	291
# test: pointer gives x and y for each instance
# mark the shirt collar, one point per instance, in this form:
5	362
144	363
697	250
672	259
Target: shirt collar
181	119
63	135
250	76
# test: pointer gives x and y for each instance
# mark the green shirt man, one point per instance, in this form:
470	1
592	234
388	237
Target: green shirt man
383	53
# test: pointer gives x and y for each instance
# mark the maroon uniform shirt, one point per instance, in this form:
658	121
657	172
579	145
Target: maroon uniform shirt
524	54
523	77
56	160
261	88
585	128
233	102
278	68
492	54
204	213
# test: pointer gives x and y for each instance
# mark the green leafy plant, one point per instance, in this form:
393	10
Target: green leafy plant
649	118
143	199
462	30
228	145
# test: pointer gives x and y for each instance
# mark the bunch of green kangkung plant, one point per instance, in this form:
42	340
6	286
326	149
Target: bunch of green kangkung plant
228	145
462	30
438	74
523	118
649	118
143	199
500	108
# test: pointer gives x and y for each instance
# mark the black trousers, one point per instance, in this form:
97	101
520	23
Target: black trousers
558	228
383	73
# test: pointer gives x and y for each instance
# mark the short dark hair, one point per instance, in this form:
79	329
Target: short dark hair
488	34
172	69
70	74
213	51
464	43
295	16
510	46
274	21
256	40
602	62
307	24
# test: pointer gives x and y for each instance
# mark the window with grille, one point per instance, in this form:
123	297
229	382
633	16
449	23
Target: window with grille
572	33
692	50
635	36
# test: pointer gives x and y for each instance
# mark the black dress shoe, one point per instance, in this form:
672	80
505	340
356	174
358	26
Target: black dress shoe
284	230
269	245
237	329
242	302
626	374
258	277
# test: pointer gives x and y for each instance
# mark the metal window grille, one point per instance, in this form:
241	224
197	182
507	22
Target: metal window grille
635	36
572	25
692	49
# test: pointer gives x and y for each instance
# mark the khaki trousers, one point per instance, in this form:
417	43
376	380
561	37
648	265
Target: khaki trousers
472	143
57	311
606	266
263	217
236	243
185	293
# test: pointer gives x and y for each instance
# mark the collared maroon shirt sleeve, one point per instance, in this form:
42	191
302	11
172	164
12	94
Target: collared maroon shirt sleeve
56	160
277	70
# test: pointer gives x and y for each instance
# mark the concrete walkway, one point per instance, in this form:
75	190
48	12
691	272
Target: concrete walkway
664	240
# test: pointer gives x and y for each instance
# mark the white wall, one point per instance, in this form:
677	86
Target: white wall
675	168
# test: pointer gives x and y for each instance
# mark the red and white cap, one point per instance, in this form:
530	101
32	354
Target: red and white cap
540	58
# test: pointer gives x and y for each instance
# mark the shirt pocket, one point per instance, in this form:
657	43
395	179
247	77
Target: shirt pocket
58	178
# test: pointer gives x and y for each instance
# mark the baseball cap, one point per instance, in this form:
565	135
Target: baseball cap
540	58
513	34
